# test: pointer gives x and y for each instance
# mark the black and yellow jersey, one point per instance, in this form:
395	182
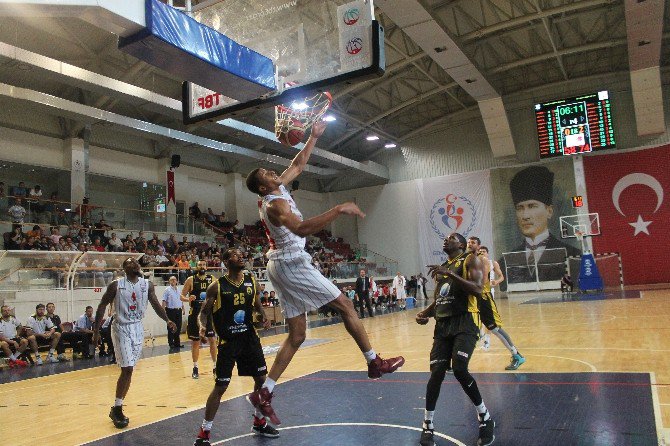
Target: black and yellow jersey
234	306
450	298
199	290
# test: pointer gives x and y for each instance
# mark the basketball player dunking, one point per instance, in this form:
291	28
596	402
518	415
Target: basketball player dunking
194	292
129	297
300	287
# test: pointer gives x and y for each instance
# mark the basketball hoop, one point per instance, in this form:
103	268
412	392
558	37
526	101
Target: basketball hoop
301	115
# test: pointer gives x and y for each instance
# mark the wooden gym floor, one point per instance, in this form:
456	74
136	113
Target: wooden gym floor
627	334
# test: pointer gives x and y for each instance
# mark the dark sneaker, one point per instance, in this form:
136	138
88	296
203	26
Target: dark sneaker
262	428
118	418
379	366
203	438
516	362
195	374
486	436
427	437
262	400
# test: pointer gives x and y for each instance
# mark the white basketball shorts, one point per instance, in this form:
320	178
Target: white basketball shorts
128	340
300	287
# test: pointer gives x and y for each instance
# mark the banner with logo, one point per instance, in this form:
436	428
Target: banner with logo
453	203
628	190
527	204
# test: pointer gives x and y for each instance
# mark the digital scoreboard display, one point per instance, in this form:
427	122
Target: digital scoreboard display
575	125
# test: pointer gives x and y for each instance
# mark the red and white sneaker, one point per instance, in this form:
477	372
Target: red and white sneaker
379	366
262	400
17	363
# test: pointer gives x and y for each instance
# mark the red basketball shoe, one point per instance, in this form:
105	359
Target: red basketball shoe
262	400
379	366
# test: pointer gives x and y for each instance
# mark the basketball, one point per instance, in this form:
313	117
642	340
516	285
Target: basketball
291	134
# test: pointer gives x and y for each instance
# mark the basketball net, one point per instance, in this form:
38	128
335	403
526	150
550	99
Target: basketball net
301	115
580	237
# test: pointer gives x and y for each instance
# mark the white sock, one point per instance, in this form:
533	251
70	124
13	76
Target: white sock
269	384
14	356
428	416
369	356
51	352
483	412
195	364
118	402
207	425
258	413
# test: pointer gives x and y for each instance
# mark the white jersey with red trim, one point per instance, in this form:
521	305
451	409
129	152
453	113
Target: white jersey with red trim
283	243
131	300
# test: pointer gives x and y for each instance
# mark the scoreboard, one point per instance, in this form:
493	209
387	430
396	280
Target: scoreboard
575	125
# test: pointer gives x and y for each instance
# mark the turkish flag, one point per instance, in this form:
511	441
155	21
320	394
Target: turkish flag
170	186
629	191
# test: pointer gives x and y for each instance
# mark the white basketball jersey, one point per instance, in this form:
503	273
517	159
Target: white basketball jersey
131	300
283	243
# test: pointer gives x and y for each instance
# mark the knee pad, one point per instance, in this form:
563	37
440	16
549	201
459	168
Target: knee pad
439	368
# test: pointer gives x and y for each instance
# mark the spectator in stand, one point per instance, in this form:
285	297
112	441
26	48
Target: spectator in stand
62	218
44	243
184	245
184	268
14	238
85	325
101	275
2	190
273	299
100	229
34	197
171	244
35	232
31	245
71	246
82	237
76	340
17	212
115	243
44	333
9	336
265	299
165	262
62	245
140	238
50	209
194	211
20	190
83	210
211	217
97	245
55	236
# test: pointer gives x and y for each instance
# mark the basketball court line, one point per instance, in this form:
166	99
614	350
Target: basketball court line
661	432
187	410
394	426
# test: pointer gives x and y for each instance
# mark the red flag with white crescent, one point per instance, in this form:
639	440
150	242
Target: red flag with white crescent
170	186
630	193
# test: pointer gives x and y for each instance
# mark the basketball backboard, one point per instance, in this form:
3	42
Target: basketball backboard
580	225
312	43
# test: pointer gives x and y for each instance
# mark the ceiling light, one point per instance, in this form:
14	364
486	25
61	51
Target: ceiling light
329	118
389	145
372	138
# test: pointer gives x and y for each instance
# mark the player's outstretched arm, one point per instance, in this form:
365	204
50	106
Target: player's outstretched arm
280	214
158	308
107	299
300	161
